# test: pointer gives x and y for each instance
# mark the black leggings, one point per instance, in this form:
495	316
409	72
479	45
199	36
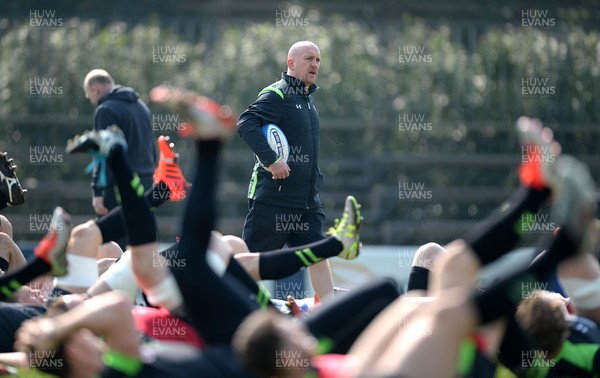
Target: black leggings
217	305
112	225
342	322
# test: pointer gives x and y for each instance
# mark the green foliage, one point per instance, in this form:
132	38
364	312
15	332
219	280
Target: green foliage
469	89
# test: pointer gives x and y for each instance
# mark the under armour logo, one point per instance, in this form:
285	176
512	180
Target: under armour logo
298	106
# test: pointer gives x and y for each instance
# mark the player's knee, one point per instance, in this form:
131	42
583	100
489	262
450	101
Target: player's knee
143	272
426	254
85	230
5	226
236	244
5	242
110	250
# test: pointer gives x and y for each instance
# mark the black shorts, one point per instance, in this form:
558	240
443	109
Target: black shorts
12	315
269	227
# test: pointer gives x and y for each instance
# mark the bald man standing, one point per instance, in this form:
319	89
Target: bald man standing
121	106
283	196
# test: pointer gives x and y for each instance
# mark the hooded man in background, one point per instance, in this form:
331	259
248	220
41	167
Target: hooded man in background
121	106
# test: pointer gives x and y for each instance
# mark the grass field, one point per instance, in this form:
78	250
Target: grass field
32	373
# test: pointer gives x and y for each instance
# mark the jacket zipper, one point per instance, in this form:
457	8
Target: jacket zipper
311	127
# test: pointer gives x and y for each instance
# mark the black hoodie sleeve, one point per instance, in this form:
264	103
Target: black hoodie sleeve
266	109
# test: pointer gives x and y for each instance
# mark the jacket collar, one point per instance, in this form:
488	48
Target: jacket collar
297	83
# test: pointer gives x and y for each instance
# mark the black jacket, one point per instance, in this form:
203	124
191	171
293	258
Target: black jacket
122	107
286	104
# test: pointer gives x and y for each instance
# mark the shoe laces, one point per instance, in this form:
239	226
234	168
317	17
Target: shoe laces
340	224
100	162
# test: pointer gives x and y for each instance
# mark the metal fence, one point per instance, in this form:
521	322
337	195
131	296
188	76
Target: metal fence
460	158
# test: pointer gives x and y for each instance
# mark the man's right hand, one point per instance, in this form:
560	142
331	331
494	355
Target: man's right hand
279	170
98	205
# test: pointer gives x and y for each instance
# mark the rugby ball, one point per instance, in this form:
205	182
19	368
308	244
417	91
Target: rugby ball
277	140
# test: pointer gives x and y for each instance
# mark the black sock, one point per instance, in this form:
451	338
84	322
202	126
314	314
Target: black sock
112	225
258	292
513	343
500	232
140	222
503	298
209	298
274	265
11	282
157	195
418	279
336	327
4	264
199	213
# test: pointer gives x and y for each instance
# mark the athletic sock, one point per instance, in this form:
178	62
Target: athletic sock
157	195
209	298
200	214
4	264
418	279
503	298
11	282
274	265
112	225
257	291
501	231
337	327
513	342
140	222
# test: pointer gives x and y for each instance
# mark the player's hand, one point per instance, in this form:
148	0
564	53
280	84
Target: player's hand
279	170
84	350
98	205
39	333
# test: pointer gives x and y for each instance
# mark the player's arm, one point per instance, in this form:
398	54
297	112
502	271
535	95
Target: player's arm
97	314
266	109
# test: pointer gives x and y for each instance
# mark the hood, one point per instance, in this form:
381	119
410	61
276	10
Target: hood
120	93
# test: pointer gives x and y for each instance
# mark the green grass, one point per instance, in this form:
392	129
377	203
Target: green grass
32	373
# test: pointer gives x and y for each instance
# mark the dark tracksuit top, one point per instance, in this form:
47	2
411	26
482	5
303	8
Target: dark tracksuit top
286	104
579	356
122	107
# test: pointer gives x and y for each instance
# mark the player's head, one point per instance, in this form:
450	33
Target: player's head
96	84
543	317
274	345
304	60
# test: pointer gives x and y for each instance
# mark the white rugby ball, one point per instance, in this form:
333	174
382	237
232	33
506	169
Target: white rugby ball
277	140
